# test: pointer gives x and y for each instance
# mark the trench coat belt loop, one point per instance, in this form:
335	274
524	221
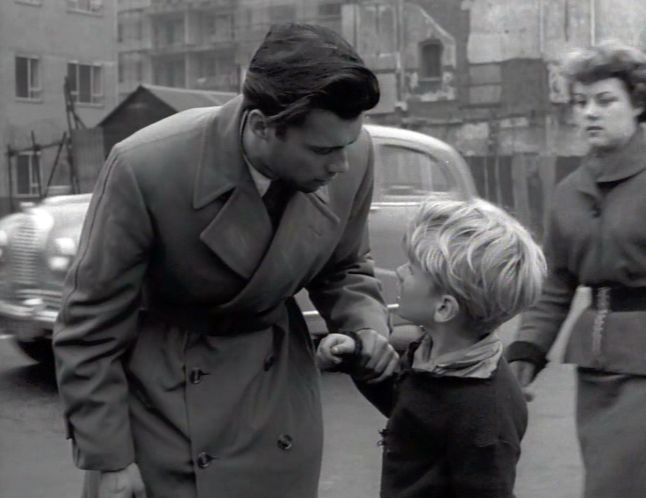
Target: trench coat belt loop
206	321
618	298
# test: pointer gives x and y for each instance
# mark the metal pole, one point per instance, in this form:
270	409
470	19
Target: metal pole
10	170
36	151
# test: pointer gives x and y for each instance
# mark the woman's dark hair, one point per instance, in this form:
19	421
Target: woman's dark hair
610	59
300	67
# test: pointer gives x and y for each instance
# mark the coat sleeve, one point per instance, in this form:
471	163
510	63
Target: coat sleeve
346	292
540	324
97	321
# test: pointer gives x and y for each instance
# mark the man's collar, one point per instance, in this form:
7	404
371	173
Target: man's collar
221	167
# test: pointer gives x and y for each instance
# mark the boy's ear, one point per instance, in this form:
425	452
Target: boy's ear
446	309
258	124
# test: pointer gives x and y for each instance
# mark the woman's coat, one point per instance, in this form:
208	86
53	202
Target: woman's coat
597	237
178	345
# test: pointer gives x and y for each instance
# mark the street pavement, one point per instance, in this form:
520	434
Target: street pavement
35	459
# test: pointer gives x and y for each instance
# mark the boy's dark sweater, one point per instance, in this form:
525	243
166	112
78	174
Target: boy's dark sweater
450	437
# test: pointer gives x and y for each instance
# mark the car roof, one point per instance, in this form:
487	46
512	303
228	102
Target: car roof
442	150
403	134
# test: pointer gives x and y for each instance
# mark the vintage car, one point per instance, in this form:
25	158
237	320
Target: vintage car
38	244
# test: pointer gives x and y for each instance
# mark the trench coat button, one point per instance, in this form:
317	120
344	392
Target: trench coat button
285	442
203	460
196	374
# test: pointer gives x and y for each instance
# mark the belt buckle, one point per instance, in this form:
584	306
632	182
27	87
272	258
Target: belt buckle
602	298
602	301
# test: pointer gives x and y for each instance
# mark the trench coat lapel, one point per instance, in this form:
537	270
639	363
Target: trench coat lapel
241	234
307	228
241	230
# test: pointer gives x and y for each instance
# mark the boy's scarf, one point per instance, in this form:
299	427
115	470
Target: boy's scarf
477	361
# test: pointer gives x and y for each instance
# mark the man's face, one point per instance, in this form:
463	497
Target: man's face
604	112
310	155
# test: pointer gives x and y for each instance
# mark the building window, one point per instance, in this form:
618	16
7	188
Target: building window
86	82
430	52
93	6
282	13
27	178
329	9
170	73
223	28
28	78
139	71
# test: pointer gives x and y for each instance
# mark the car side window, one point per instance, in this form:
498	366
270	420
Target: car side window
405	174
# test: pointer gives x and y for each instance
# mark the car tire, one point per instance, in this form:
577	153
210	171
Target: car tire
39	350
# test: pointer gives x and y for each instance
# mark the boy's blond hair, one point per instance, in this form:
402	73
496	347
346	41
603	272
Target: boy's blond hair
479	254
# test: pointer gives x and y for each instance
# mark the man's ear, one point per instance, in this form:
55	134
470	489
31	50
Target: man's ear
446	309
258	124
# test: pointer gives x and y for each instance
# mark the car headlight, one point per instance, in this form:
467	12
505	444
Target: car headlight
64	252
4	242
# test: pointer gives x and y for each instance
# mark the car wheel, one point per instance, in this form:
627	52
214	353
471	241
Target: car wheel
39	350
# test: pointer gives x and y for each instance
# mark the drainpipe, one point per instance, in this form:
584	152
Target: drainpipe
593	22
541	28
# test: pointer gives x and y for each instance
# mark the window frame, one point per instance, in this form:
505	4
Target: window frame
34	176
424	75
34	93
97	99
91	7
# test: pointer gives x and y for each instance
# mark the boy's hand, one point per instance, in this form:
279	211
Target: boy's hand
524	371
332	349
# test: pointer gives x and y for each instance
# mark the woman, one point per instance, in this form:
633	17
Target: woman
597	238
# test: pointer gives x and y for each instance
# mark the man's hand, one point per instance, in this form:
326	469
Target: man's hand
125	483
378	358
332	349
524	371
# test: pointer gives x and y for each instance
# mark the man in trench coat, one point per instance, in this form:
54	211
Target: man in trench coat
185	367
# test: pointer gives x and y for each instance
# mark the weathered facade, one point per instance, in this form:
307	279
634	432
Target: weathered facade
484	75
41	43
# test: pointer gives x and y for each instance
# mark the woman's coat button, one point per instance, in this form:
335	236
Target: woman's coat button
285	442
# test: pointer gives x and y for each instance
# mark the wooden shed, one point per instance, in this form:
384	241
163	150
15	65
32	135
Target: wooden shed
150	103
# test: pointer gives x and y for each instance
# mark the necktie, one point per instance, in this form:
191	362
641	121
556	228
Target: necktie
275	200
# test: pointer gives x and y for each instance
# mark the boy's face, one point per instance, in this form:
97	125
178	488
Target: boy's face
417	298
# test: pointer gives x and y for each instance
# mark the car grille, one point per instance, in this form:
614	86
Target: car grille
51	299
23	255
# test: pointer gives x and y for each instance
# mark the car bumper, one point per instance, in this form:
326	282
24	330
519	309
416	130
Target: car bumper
27	322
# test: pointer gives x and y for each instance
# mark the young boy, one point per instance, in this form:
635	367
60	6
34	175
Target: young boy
456	413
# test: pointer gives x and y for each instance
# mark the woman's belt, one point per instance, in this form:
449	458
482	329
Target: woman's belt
618	298
211	322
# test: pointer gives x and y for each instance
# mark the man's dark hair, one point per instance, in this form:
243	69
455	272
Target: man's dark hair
300	67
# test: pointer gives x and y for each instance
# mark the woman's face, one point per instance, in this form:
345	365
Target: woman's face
604	112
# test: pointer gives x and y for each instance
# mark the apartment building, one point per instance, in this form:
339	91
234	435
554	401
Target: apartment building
41	43
203	44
